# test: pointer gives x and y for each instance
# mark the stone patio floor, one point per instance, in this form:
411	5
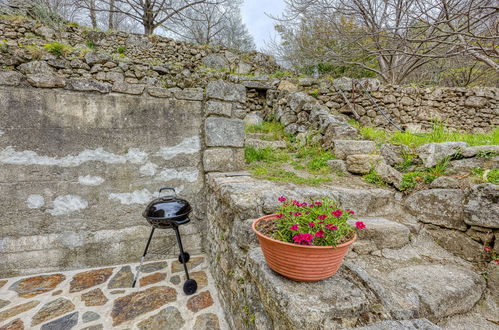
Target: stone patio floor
102	298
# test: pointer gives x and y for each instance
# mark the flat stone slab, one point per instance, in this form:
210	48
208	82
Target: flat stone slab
262	144
381	233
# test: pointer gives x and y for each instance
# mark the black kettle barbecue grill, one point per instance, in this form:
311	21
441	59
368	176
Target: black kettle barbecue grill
169	212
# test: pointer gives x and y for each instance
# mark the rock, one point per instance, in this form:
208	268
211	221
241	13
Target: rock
216	61
443	290
297	100
407	101
94	327
343	83
36	67
482	205
288	86
168	319
243	68
475	102
10	78
218	108
175	279
337	165
223	160
226	91
362	164
35	285
88	279
56	293
335	132
94	297
262	144
89	317
383	233
45	32
4	303
208	321
457	243
370	84
193	263
393	154
151	279
484	236
58	63
51	310
87	85
122	279
200	277
200	301
414	324
253	119
138	303
194	94
3	282
344	148
64	323
97	58
445	182
389	174
468	152
161	92
45	81
224	132
441	207
259	84
117	291
493	280
17	324
133	89
18	309
153	267
432	153
464	166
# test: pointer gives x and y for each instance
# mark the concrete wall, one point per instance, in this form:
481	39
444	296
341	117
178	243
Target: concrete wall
77	169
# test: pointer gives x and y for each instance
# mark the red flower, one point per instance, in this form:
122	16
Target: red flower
278	216
350	211
496	261
487	248
360	225
311	224
322	217
295	202
294	227
320	222
282	199
297	238
303	204
308	237
297	214
318	203
337	213
331	226
320	233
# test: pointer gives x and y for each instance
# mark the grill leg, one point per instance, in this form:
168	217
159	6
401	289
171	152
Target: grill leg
179	242
142	259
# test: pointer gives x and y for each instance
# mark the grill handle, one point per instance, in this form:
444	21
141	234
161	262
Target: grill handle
168	188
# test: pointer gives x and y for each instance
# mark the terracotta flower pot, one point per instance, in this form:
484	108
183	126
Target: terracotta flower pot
301	262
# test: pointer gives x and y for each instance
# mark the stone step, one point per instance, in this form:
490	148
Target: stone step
380	233
262	144
261	136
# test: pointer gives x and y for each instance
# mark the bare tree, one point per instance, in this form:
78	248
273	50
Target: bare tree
392	38
217	24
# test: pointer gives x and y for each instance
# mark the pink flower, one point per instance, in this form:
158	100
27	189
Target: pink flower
295	202
294	227
297	238
360	225
487	248
311	205
308	237
337	213
282	199
320	222
278	216
352	212
322	217
331	227
318	203
496	261
311	224
320	233
303	204
297	214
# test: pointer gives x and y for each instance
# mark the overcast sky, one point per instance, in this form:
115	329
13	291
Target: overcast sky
259	24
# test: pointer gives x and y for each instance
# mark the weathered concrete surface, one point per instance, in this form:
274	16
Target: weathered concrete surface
76	171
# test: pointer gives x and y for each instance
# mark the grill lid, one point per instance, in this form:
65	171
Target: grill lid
168	208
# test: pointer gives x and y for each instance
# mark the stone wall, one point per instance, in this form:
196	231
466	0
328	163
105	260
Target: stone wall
77	170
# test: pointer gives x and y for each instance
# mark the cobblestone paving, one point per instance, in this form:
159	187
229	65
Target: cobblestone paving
103	298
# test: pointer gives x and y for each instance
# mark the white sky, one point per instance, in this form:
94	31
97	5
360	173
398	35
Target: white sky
259	24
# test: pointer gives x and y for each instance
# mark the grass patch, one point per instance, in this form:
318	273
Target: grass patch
271	173
374	178
439	133
482	175
252	155
268	127
57	48
411	179
318	163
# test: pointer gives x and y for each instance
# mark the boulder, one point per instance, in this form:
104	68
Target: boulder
92	58
432	153
34	67
493	280
482	205
344	148
446	182
393	154
226	91
337	165
216	61
383	233
335	132
443	290
288	86
441	207
362	164
10	78
457	243
473	151
388	174
45	80
464	166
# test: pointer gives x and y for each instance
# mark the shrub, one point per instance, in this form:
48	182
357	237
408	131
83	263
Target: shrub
57	48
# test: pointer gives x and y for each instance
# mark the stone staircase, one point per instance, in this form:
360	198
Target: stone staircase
395	277
263	140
